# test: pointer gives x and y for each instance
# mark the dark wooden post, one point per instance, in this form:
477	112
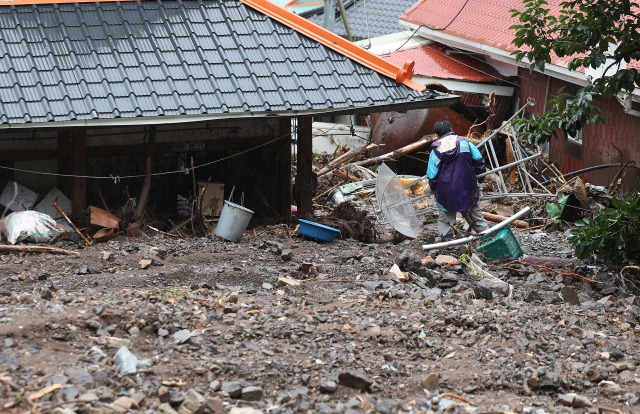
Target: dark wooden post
79	184
305	179
284	170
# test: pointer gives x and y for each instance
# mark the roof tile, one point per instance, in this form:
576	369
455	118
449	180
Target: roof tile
109	59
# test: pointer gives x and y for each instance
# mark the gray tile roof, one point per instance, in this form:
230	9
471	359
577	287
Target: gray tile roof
82	61
383	16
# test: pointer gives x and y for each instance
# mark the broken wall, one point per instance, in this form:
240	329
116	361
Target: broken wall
599	142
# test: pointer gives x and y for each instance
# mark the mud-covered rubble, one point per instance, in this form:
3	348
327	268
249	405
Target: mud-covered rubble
216	326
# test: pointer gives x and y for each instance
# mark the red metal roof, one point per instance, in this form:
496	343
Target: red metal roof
439	61
483	21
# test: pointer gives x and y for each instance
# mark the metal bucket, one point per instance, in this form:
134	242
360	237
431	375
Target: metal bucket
233	221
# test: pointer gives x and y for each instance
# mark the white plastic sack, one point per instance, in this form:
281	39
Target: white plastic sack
30	226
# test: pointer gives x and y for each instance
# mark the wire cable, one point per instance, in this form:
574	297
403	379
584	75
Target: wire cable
110	177
433	28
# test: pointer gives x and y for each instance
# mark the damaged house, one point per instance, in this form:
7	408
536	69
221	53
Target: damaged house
96	96
479	31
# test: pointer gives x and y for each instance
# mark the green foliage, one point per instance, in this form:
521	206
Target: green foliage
613	235
593	33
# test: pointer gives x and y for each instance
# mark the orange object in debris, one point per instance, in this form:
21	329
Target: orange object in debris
337	43
102	218
104	235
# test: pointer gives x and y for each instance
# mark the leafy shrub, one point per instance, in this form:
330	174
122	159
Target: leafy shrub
613	235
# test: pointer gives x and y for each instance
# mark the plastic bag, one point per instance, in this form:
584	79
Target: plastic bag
30	226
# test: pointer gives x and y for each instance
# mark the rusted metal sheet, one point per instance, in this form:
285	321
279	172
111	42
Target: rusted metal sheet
395	130
104	235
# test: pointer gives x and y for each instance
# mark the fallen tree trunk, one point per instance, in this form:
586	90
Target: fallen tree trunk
35	249
394	155
344	158
497	219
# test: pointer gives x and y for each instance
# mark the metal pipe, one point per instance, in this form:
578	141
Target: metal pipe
495	158
345	20
514	195
529	102
469	239
584	170
504	167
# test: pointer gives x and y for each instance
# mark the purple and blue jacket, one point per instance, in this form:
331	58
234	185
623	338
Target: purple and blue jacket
452	174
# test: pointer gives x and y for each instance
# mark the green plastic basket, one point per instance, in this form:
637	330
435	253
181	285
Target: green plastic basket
503	244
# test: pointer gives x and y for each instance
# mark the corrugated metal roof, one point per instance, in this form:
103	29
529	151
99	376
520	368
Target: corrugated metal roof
483	21
432	60
383	17
83	61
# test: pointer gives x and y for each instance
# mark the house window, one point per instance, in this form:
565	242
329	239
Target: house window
578	137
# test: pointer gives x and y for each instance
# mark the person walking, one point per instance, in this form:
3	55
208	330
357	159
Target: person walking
453	165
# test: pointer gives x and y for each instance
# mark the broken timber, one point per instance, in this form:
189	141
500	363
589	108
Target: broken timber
35	249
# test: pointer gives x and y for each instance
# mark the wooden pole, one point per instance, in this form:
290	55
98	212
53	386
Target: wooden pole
35	249
395	154
73	226
305	163
497	219
344	158
146	185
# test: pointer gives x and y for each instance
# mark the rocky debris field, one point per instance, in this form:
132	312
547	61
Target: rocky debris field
280	324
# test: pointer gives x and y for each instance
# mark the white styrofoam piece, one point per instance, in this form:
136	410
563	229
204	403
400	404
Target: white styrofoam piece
24	201
45	206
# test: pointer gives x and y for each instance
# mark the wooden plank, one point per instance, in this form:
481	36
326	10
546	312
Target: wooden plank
79	184
305	160
284	170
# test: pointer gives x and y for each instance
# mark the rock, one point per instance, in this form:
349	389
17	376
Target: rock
175	398
233	388
166	409
570	295
234	297
444	259
328	386
245	410
482	292
43	275
581	401
430	382
398	275
447	280
122	404
532	297
621	366
61	410
286	255
599	373
125	361
155	260
252	393
83	379
286	281
145	263
117	342
407	260
194	401
215	405
385	406
46	294
182	336
88	397
355	379
566	399
495	285
606	299
549	380
215	385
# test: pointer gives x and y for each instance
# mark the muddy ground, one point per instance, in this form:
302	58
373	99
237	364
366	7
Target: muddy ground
212	329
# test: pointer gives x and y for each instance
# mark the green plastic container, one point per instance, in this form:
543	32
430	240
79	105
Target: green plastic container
503	244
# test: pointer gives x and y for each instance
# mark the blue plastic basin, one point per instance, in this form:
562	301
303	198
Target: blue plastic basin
317	231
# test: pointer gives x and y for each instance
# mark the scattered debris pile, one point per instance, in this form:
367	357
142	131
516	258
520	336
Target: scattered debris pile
352	222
